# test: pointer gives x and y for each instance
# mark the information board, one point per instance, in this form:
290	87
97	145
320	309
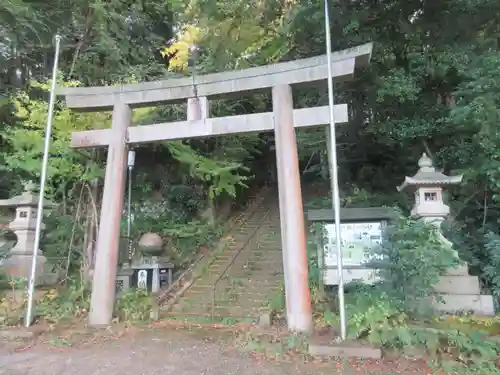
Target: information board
357	242
357	239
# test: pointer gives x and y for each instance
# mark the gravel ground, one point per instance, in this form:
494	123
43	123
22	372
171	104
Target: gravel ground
149	352
164	350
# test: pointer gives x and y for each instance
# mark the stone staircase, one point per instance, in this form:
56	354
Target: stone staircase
461	292
236	282
167	297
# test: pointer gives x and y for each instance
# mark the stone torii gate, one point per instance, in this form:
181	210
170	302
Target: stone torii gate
283	119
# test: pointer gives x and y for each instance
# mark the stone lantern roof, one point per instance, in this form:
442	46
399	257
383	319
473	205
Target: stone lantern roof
428	176
25	199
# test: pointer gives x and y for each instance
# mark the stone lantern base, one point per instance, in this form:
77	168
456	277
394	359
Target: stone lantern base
461	292
19	265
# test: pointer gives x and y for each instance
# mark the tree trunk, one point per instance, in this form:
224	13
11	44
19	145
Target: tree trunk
91	228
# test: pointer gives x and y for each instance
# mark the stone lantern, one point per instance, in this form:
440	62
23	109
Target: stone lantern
23	226
427	186
459	290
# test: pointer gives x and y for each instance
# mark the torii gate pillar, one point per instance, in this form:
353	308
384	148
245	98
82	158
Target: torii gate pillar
103	285
293	239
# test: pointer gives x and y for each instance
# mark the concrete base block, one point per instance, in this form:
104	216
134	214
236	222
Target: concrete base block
344	350
265	320
123	280
478	304
458	285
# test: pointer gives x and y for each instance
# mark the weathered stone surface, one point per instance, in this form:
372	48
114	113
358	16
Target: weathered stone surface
311	69
458	285
478	304
150	243
255	122
265	320
344	350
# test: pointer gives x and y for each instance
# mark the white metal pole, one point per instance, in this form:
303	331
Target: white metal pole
43	177
334	176
130	162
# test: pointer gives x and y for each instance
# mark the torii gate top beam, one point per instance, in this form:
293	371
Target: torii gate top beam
152	93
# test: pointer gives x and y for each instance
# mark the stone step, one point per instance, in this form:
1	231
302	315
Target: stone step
238	305
458	285
259	293
222	303
226	308
208	316
261	283
478	304
255	268
222	309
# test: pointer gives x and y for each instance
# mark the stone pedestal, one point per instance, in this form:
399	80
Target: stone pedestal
124	280
462	292
152	273
459	290
478	304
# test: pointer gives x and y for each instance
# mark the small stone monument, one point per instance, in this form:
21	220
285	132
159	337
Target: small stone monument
24	226
124	273
124	278
150	270
459	290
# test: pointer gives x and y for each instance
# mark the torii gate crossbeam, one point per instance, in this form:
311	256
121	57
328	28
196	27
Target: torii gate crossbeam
283	120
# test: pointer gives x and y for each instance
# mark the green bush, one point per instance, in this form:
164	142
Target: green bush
410	262
64	304
133	306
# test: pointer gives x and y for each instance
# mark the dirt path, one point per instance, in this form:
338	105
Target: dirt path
164	350
148	352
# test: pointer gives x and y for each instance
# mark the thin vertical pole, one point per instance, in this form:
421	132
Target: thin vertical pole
131	162
335	177
129	203
43	178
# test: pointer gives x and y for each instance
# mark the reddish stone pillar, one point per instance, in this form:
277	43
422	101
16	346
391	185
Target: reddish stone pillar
103	285
293	237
